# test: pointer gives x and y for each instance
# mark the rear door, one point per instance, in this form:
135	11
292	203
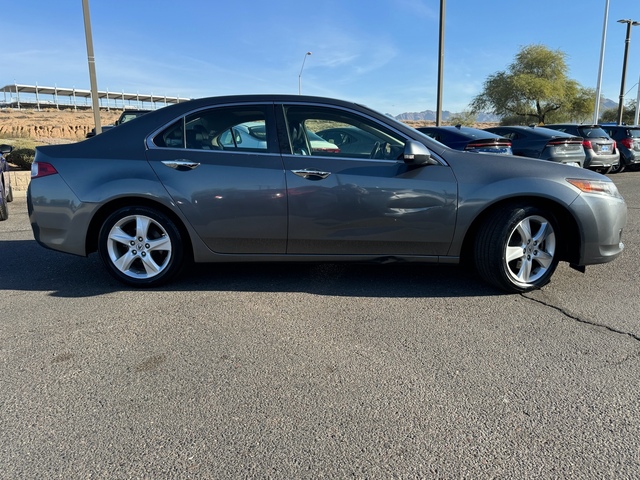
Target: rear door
223	169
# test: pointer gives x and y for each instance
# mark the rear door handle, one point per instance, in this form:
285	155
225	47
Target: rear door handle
311	174
181	164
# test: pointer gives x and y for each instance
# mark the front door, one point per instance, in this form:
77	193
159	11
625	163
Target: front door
364	200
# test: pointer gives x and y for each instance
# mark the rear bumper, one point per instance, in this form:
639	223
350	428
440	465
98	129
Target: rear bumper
601	161
60	220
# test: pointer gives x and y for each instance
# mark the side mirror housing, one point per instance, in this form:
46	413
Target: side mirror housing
415	153
5	149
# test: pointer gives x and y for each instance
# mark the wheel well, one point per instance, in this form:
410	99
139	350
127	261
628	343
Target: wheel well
569	232
107	209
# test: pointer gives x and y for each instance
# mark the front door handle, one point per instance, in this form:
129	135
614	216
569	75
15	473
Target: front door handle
311	174
181	164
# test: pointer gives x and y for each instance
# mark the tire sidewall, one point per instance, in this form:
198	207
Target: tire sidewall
175	261
491	248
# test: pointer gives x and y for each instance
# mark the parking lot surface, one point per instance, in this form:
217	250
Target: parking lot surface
309	371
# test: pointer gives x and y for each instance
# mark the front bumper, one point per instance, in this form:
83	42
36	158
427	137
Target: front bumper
601	221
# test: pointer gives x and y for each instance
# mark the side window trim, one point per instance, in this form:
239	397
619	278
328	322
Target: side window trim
269	118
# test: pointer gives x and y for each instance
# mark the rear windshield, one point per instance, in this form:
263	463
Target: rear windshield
592	132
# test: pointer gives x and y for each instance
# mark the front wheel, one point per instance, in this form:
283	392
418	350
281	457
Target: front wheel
517	248
140	246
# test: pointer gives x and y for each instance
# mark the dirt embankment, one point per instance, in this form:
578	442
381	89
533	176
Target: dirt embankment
50	124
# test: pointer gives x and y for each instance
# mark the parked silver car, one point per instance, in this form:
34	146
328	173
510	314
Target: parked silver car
601	151
147	202
543	143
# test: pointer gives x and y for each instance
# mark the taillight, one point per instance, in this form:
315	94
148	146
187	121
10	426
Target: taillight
42	169
587	144
627	142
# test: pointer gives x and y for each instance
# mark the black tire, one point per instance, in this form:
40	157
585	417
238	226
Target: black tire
4	209
140	246
618	168
516	249
10	194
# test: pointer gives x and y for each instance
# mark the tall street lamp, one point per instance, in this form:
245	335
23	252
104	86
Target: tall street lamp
300	76
596	109
95	101
629	23
443	6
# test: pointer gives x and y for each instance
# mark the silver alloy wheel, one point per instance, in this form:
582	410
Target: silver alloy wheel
139	247
530	249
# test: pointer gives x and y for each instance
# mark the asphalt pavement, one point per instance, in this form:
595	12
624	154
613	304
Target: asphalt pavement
316	371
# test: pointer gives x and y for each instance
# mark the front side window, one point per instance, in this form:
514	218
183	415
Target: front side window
225	128
333	132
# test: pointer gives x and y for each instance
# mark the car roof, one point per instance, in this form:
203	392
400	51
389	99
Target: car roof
534	130
461	131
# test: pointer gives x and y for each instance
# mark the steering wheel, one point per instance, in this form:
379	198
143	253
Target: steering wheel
376	151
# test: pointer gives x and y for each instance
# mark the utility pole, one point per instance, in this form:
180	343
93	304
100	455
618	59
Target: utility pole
95	101
630	23
440	63
596	110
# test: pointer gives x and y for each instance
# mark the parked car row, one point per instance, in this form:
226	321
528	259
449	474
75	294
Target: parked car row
603	148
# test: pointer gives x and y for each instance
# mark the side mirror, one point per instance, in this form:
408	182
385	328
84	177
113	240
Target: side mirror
4	149
415	153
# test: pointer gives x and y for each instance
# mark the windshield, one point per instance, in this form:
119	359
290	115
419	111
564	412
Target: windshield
593	132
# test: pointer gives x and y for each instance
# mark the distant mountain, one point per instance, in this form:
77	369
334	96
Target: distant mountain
430	116
608	104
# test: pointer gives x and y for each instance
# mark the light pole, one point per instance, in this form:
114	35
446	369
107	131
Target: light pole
629	23
596	110
300	76
443	6
95	101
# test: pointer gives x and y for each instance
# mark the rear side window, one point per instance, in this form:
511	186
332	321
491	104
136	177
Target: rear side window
226	128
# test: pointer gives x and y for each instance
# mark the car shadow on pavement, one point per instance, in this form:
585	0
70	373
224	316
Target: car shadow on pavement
29	267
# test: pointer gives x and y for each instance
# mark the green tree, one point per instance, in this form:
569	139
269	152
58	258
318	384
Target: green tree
628	114
535	87
464	118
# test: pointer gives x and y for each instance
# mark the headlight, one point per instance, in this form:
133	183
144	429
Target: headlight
595	186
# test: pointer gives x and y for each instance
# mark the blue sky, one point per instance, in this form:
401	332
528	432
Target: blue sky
383	53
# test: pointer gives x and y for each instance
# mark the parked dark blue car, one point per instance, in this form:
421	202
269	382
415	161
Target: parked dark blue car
6	193
469	139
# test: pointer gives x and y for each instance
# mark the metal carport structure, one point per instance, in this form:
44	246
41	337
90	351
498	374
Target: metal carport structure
49	97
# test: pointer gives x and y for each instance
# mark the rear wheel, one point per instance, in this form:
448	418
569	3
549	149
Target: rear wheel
618	168
10	194
140	246
517	248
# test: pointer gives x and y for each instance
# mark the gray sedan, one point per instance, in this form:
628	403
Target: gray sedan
149	201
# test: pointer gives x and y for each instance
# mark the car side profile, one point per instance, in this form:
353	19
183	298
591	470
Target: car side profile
148	202
543	143
601	152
